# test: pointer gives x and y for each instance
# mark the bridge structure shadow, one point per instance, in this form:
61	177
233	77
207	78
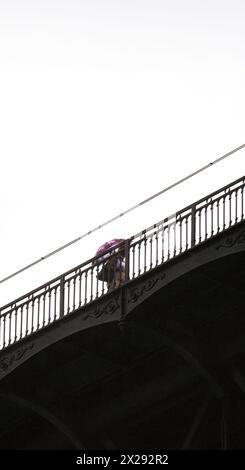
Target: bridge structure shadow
156	363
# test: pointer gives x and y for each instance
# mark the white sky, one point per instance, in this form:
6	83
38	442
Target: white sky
102	104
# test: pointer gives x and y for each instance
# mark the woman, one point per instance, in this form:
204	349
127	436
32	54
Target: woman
113	271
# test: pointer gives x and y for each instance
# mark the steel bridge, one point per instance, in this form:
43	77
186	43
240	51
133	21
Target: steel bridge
156	363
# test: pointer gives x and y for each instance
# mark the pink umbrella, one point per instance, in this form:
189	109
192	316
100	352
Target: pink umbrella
106	246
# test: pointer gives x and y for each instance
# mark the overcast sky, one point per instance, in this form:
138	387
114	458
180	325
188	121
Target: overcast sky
102	104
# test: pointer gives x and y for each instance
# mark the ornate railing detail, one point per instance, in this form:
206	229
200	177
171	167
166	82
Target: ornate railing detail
145	251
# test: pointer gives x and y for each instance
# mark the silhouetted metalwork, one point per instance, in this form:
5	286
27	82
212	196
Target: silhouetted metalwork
145	251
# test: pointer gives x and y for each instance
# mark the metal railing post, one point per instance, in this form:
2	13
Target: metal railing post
193	225
62	295
126	248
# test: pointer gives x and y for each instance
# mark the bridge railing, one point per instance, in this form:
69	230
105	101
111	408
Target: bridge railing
187	228
144	251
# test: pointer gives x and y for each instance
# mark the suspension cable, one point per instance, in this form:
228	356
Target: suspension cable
191	175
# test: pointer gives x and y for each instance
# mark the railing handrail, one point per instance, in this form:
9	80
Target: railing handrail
92	260
213	194
190	206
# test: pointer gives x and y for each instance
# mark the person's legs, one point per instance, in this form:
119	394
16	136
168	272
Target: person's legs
115	274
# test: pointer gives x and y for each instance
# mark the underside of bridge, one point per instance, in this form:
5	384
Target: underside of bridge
171	376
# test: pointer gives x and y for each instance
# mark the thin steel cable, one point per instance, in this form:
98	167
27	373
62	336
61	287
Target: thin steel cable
122	214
